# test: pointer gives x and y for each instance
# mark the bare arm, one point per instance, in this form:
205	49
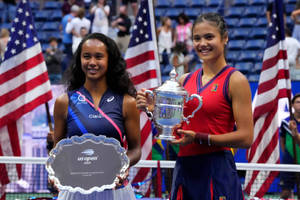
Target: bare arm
294	131
268	15
60	117
132	129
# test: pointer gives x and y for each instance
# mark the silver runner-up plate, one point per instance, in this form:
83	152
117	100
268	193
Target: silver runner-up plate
87	163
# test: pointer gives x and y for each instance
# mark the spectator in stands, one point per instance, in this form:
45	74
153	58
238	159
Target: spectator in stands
295	15
67	37
4	37
179	60
8	11
134	5
67	5
122	23
165	40
293	52
53	59
100	21
269	12
75	25
224	121
77	40
289	130
183	31
99	73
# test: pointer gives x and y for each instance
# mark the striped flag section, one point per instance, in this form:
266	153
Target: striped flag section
274	85
24	85
143	65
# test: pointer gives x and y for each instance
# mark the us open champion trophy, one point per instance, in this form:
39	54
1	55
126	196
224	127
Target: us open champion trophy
87	163
169	101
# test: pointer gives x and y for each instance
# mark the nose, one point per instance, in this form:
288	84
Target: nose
92	61
202	42
199	43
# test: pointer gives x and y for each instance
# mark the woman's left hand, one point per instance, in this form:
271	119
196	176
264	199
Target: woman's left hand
122	179
188	137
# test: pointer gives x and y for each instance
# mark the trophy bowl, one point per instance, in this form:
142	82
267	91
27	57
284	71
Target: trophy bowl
169	101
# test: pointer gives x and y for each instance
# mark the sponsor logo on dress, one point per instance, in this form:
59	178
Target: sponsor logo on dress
81	100
214	87
95	116
110	99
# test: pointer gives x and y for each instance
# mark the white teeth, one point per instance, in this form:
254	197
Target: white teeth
204	51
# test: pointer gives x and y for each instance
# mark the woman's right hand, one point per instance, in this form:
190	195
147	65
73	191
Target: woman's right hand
143	100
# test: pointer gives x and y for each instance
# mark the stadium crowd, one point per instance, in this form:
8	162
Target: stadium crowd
69	20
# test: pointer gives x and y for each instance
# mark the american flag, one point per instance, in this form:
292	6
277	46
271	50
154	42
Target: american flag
274	85
143	64
24	85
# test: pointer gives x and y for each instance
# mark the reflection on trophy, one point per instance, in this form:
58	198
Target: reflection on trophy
169	101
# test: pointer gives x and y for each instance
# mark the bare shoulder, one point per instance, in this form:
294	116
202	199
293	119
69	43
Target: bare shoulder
61	104
129	105
62	99
238	83
238	78
129	100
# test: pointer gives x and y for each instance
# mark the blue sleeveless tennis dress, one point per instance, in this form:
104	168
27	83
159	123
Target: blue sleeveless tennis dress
83	118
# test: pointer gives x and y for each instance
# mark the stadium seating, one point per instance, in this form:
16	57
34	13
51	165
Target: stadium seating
42	36
52	5
241	33
255	44
258	2
214	3
253	77
173	12
291	2
179	4
42	15
232	22
210	9
244	67
193	13
259	33
253	11
234	12
50	26
256	68
289	8
247	22
163	4
239	3
159	12
56	15
248	56
232	56
262	22
197	4
236	45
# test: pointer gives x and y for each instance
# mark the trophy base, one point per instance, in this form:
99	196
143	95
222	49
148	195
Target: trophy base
165	137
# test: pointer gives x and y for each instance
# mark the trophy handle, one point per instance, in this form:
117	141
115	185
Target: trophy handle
149	113
186	119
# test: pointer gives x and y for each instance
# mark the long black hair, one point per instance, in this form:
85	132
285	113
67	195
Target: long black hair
117	77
